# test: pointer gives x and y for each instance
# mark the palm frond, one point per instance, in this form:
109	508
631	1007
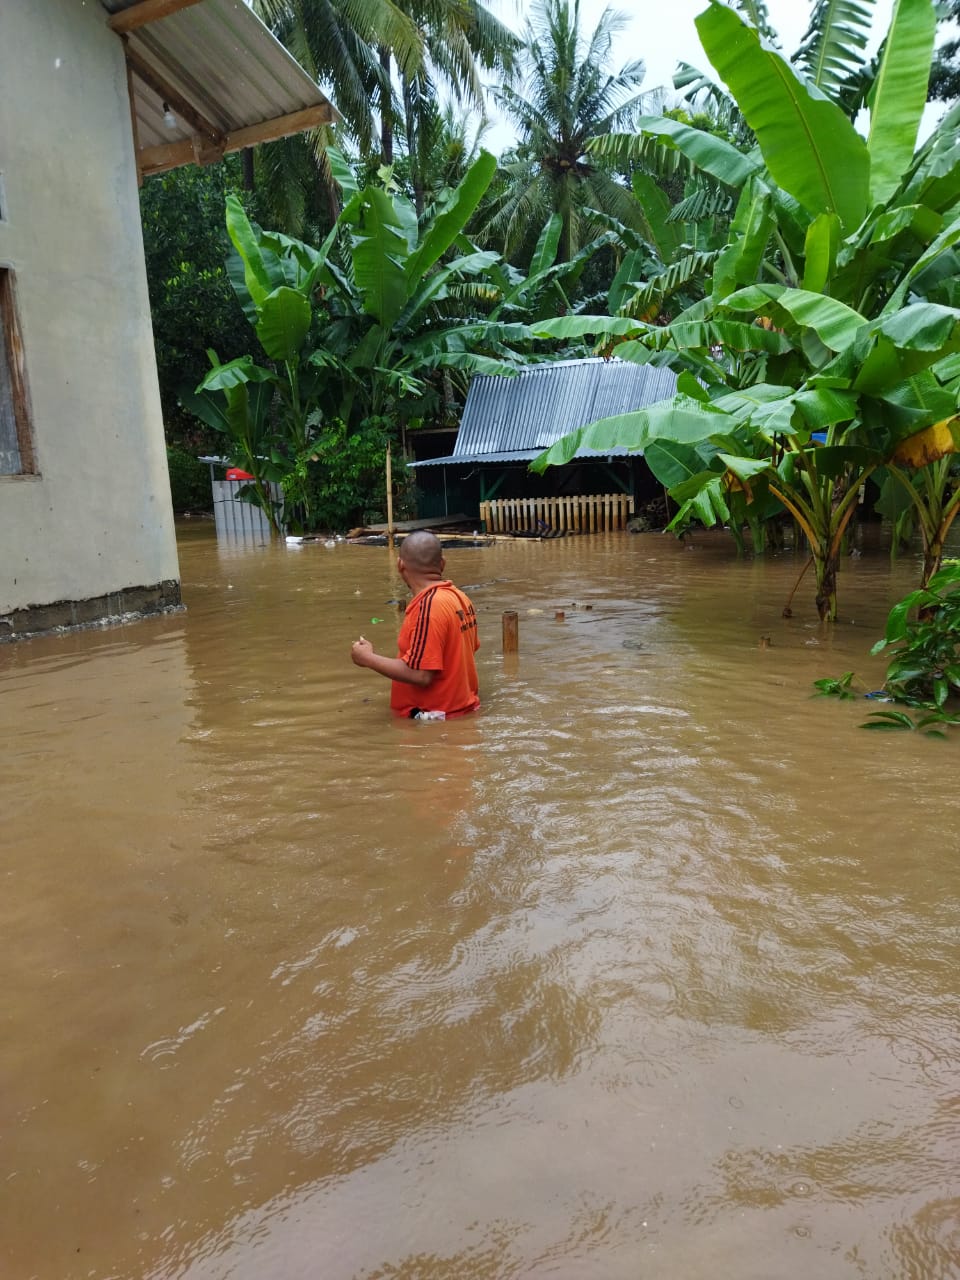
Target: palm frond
694	267
704	201
832	50
755	11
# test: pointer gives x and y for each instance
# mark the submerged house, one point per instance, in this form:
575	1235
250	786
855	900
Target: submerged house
95	96
507	422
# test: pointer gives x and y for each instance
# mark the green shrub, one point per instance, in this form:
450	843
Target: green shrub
189	482
340	482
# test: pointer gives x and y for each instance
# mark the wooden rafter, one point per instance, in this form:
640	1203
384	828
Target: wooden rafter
167	93
173	154
138	15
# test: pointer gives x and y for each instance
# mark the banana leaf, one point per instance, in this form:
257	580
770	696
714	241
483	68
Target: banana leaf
706	151
744	468
285	318
810	147
823	407
673	463
947	238
731	335
664	235
681	419
436	282
343	175
379	252
894	500
625	285
753	224
453	217
821	244
582	326
235	373
548	242
708	505
899	95
261	275
834	323
831	461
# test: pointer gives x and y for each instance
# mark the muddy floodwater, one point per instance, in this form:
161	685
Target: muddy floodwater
648	970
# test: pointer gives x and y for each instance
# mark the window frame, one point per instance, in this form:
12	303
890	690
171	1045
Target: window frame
11	351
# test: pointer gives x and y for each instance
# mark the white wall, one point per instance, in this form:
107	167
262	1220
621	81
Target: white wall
98	518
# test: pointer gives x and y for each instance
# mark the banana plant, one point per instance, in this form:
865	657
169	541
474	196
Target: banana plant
353	329
863	390
813	344
401	295
923	467
235	399
265	409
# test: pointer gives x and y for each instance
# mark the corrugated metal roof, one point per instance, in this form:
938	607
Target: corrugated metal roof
225	77
515	419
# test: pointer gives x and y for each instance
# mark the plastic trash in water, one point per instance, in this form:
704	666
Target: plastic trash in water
430	715
376	620
879	695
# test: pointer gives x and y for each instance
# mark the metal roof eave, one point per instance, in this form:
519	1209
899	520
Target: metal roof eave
504	459
207	77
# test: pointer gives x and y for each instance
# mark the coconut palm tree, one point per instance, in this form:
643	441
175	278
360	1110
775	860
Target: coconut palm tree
566	96
382	59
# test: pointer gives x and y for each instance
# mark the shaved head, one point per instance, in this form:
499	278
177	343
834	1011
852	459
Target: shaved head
421	551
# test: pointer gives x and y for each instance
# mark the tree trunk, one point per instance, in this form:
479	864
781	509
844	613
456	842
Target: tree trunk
413	150
246	156
386	109
826	568
932	559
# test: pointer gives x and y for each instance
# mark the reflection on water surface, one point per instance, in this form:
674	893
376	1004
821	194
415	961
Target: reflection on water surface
649	969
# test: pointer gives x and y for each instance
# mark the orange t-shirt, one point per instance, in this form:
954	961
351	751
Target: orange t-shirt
439	633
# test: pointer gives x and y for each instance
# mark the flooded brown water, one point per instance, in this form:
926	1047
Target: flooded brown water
650	969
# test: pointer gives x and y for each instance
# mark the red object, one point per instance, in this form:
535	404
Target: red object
234	473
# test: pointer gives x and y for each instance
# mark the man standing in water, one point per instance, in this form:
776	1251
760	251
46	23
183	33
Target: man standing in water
434	671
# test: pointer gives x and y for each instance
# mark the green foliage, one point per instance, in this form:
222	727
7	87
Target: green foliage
387	63
925	667
567	96
834	43
945	70
828	688
189	482
810	147
185	244
829	336
900	721
356	331
342	481
923	635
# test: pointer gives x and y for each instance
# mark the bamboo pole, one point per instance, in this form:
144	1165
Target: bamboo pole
390	537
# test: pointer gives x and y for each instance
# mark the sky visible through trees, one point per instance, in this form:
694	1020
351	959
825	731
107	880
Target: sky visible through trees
662	34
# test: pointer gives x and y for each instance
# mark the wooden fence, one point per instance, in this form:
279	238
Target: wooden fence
581	513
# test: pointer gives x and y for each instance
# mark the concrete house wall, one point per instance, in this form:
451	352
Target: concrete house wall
91	533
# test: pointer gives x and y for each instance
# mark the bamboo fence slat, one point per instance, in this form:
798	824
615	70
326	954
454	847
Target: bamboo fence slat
582	513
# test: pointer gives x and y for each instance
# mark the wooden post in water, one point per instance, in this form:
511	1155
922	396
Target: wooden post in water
511	635
390	539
